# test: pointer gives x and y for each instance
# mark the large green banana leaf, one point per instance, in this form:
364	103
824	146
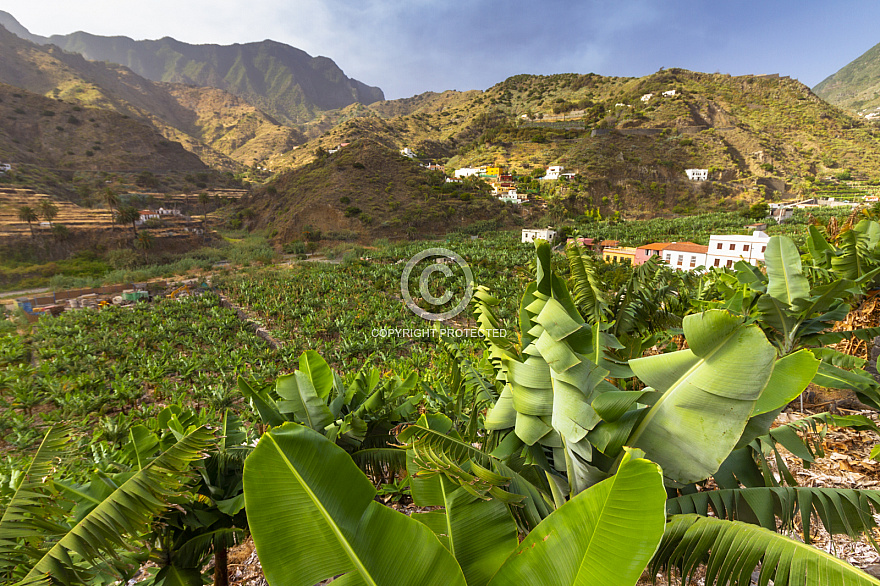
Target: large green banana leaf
604	535
732	551
479	533
786	280
709	393
313	517
125	512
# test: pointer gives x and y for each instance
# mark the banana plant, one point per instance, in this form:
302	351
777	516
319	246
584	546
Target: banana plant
316	397
42	542
688	418
313	517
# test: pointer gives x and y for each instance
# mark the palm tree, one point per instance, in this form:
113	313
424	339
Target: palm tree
27	214
203	201
129	215
49	210
111	198
144	242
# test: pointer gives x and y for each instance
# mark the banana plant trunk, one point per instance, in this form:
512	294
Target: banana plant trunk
221	562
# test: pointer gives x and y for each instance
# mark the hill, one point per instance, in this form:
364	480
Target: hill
760	136
223	130
59	135
856	86
364	191
284	81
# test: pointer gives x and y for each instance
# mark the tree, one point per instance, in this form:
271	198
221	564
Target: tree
111	198
27	214
759	211
129	215
48	210
204	198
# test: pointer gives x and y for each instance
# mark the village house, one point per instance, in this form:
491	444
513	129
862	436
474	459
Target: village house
4	167
553	172
726	250
685	256
646	97
530	235
511	196
467	172
697	174
643	253
668	93
408	152
585	242
619	254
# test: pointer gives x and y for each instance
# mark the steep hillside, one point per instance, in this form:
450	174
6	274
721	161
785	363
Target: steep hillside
758	135
856	86
222	129
58	135
368	191
288	83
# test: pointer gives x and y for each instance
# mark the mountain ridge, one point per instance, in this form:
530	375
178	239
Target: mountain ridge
856	85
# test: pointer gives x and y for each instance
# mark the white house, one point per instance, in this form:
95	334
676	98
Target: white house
725	250
554	171
511	196
4	167
685	256
148	215
697	174
668	93
646	97
466	172
548	234
408	152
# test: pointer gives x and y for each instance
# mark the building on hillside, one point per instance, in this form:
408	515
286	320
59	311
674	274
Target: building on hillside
609	244
147	215
435	167
408	152
643	253
756	227
685	256
646	97
530	235
511	196
725	250
668	93
4	167
553	172
697	174
467	172
619	254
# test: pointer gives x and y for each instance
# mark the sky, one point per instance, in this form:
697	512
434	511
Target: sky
409	47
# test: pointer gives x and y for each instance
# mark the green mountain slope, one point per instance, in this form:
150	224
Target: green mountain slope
284	81
856	86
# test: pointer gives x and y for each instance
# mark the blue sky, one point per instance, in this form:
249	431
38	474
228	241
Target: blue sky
418	45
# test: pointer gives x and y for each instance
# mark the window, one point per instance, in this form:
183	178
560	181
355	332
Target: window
729	263
680	259
763	248
745	247
668	256
719	246
693	261
732	246
717	261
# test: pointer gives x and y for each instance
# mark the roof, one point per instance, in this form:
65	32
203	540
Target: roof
609	243
655	246
687	247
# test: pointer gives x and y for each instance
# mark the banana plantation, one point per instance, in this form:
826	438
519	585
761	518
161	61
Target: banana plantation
611	424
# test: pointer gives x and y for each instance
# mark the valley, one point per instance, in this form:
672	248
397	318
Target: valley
261	324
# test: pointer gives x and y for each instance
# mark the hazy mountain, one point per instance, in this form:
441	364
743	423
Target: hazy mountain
857	85
286	82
